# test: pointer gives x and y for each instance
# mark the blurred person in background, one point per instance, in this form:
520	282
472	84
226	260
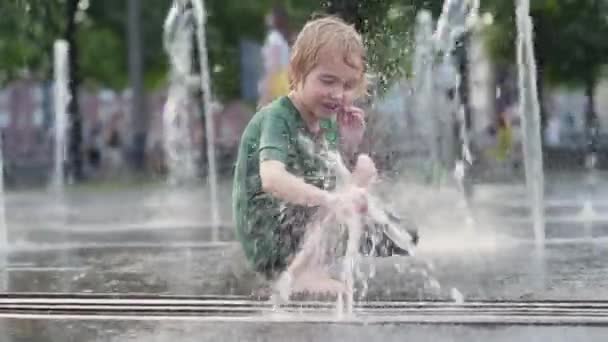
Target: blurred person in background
275	54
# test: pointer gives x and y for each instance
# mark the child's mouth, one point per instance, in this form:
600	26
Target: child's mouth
332	107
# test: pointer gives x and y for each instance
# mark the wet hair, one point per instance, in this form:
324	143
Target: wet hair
328	33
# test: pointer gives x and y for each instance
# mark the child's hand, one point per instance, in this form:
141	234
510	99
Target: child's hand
352	199
351	126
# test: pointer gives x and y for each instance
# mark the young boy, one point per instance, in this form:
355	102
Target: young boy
282	181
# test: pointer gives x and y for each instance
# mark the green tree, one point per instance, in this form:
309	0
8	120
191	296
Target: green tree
29	29
569	41
98	37
387	27
27	32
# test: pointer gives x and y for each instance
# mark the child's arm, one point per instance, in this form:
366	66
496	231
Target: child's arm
275	137
277	181
282	184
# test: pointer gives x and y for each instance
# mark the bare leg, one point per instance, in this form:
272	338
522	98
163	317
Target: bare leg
354	225
306	272
317	281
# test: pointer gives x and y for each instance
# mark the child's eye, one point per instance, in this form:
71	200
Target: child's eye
327	81
349	86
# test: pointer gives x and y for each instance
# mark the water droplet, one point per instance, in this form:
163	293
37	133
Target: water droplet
457	296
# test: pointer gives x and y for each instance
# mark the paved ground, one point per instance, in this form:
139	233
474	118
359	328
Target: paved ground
108	331
151	240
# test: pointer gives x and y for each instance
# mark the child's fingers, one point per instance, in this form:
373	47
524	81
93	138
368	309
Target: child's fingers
352	119
357	117
358	114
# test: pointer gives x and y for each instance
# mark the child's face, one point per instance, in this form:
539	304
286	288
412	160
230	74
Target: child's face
331	85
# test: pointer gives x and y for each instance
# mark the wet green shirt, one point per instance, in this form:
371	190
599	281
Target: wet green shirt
276	132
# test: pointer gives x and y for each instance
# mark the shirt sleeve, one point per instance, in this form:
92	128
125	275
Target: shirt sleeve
274	139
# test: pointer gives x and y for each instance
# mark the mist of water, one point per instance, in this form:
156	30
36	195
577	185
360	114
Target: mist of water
200	15
62	98
184	31
588	212
456	19
433	81
181	100
3	226
423	86
530	114
320	248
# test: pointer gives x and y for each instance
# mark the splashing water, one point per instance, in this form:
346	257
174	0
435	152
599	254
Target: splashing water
424	114
354	226
62	97
325	236
200	16
451	26
588	213
457	296
183	24
530	114
3	226
177	113
433	83
457	18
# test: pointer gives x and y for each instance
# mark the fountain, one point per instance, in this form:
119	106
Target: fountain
185	21
588	213
455	20
3	227
423	86
434	82
530	114
200	16
458	17
62	98
503	301
177	113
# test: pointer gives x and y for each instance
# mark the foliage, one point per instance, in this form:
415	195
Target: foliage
569	36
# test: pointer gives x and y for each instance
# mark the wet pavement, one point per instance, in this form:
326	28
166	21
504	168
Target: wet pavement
480	272
155	241
155	331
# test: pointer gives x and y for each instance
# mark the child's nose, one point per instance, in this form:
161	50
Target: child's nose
337	94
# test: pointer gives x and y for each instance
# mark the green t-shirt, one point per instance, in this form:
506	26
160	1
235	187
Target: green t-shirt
276	132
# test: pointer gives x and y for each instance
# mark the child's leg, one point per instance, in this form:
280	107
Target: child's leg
317	281
302	232
307	271
309	255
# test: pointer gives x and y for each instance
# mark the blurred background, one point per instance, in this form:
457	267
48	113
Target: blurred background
124	116
120	122
119	76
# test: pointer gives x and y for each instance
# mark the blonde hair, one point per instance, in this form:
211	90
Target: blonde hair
330	33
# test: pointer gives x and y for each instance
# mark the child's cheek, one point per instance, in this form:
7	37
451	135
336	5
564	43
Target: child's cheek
349	98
